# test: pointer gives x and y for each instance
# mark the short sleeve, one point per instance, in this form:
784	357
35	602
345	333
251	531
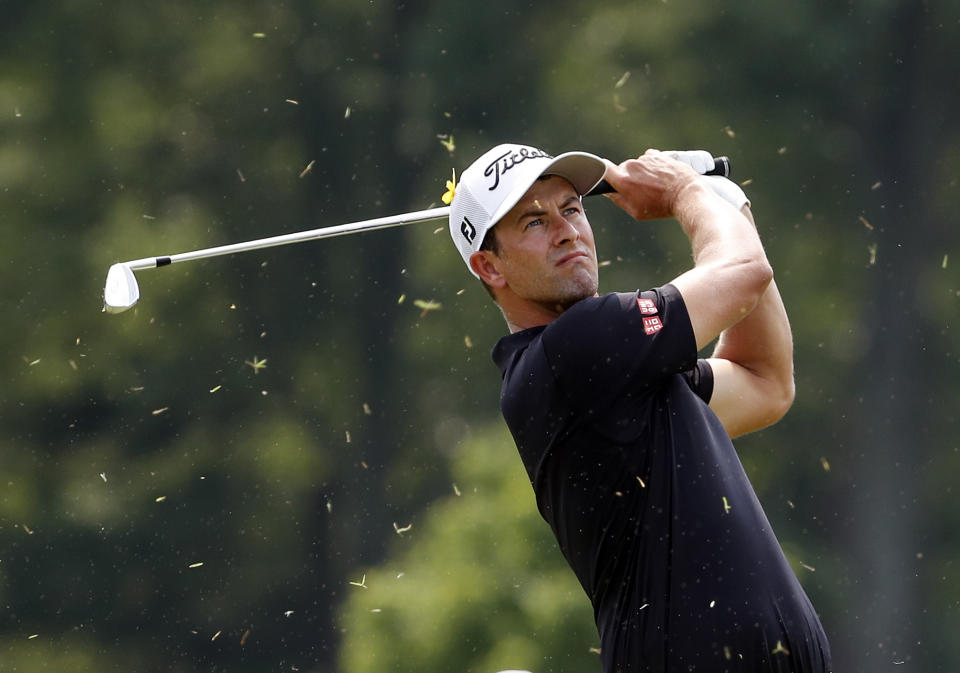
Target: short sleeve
700	380
603	344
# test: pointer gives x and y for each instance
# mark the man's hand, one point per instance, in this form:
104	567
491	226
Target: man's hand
649	186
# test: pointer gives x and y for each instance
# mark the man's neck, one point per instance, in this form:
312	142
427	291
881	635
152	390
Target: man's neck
524	314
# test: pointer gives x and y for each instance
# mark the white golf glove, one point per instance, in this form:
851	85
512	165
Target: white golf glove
728	189
702	161
699	160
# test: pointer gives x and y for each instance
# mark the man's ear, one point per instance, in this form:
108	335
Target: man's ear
486	265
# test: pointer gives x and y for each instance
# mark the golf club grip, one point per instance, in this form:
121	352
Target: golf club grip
721	166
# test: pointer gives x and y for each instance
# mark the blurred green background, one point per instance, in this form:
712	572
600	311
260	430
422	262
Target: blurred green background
277	462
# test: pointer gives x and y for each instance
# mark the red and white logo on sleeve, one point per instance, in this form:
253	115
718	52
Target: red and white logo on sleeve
647	306
652	324
651	321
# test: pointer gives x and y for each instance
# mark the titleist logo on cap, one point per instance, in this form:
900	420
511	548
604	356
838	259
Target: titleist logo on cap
508	160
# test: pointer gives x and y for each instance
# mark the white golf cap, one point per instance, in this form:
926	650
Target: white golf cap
494	183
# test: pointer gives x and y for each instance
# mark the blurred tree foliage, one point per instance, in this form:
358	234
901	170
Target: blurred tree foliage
478	586
169	505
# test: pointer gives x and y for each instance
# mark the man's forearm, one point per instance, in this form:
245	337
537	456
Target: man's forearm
762	342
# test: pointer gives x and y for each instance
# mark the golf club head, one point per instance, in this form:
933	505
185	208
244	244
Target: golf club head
121	290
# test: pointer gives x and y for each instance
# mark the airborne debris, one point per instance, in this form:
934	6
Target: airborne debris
780	649
260	36
726	505
157	412
257	365
362	583
825	464
623	80
448	142
215	636
872	249
456	490
196	565
808	567
401	531
366	409
243	638
103	475
729	131
160	498
308	168
467	341
865	223
215	389
451	186
291	101
427	306
346	113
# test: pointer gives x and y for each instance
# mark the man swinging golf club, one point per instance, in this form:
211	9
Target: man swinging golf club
624	432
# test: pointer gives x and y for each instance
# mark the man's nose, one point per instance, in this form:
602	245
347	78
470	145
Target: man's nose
565	230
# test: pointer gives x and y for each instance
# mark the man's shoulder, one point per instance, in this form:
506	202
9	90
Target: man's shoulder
509	347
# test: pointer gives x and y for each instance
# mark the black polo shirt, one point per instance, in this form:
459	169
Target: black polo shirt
646	495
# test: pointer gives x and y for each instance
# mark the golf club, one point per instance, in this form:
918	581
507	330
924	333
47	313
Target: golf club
121	290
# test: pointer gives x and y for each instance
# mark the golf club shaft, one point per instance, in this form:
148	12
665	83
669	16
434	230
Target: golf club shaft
721	167
297	237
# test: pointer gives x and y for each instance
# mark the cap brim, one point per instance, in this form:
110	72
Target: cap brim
581	169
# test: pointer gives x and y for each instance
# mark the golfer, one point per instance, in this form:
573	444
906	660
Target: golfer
624	432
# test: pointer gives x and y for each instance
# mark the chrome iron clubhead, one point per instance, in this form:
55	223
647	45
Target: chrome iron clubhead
121	290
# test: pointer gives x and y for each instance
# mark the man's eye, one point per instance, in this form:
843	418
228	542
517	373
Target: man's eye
571	211
533	223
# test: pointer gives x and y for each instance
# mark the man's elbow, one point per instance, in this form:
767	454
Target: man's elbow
753	276
783	398
774	407
759	275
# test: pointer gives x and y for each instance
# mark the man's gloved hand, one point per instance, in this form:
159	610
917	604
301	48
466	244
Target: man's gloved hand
699	160
702	162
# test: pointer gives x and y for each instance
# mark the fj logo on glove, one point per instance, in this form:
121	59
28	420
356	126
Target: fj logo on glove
468	230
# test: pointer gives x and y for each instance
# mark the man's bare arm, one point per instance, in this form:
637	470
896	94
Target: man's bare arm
730	272
728	293
753	366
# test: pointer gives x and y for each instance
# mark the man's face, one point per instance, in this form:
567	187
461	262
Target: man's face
546	249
